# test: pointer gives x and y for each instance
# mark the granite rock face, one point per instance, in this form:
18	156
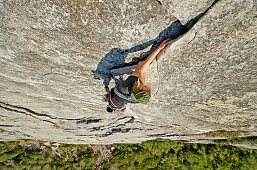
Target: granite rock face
207	79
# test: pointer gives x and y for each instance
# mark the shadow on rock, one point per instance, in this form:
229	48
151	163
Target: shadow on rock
115	59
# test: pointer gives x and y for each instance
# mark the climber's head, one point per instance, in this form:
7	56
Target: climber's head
140	93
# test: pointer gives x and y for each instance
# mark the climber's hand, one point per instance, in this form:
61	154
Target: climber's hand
164	44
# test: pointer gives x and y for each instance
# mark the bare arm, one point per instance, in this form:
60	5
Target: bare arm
139	71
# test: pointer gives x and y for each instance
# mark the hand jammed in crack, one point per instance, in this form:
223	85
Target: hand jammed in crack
133	89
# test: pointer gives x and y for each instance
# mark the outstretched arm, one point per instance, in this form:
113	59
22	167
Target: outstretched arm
139	71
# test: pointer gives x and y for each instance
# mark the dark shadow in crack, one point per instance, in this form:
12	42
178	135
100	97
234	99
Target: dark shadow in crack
116	57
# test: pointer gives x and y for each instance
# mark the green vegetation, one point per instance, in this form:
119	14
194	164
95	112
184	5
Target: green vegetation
147	155
176	155
232	137
224	133
35	155
252	140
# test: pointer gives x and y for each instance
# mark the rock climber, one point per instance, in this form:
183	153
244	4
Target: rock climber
134	89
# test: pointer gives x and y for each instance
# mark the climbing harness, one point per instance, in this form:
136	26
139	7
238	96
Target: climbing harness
113	107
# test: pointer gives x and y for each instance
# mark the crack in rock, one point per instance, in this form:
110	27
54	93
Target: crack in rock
26	111
120	122
88	120
6	126
159	2
22	110
127	119
165	135
118	130
115	58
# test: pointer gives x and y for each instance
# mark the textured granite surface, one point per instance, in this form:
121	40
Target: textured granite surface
207	79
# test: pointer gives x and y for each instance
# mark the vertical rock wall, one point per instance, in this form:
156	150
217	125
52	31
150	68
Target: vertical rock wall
208	78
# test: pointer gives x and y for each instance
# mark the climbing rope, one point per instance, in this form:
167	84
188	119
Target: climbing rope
158	76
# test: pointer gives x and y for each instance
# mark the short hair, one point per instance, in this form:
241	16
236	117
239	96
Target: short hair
136	88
